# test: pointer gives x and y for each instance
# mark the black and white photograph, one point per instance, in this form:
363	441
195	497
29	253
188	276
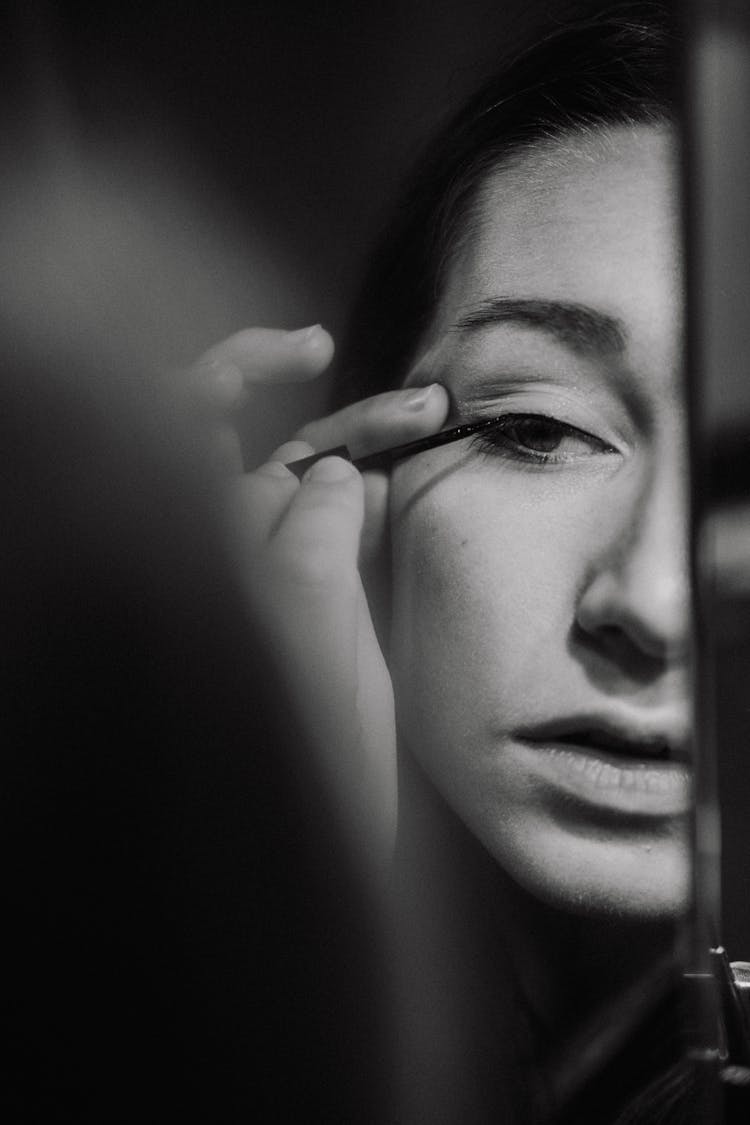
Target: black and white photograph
376	562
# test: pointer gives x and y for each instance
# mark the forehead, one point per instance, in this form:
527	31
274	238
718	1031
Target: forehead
592	219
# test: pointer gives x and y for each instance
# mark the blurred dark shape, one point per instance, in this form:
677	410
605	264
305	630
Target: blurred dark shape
718	343
185	934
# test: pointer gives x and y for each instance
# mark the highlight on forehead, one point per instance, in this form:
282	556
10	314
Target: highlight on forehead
579	327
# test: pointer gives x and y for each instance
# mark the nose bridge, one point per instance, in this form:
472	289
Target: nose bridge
642	580
658	552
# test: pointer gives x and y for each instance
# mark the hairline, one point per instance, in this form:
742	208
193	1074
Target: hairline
468	215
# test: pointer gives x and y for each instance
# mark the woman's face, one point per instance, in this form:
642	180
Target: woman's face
540	617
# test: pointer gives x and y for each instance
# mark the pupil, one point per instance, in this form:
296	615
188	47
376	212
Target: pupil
544	437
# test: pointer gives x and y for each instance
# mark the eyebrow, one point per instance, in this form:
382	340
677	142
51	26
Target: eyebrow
579	327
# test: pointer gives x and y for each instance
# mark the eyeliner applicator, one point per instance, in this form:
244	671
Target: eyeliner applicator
386	457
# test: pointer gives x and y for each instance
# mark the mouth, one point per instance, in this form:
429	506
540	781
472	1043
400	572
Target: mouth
637	769
627	744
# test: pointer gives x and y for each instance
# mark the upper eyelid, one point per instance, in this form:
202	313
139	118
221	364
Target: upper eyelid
570	427
513	397
556	403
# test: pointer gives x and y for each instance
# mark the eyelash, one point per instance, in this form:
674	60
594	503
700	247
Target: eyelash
498	440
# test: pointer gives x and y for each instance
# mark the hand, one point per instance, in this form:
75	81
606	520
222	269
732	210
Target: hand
300	545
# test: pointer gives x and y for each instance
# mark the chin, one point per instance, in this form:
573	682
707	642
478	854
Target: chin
632	877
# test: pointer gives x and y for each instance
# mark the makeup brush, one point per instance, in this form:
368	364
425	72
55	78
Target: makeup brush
386	457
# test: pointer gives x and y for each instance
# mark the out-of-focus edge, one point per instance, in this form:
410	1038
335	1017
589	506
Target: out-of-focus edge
716	104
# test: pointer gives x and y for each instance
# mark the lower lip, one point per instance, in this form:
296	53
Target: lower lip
637	787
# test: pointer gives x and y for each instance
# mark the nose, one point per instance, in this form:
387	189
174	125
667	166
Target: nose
636	596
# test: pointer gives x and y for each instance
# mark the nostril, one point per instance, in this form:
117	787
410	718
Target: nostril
631	607
614	647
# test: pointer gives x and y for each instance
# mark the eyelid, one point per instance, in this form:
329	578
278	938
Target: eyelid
542	400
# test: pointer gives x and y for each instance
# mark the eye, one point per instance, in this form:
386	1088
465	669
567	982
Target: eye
540	439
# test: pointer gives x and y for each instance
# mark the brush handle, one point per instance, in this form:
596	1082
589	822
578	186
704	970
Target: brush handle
385	458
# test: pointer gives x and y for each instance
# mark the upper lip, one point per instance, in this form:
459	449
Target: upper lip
634	738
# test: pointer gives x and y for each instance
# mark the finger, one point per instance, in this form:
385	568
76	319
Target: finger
218	383
313	606
376	423
265	355
381	421
316	543
312	597
259	499
292	451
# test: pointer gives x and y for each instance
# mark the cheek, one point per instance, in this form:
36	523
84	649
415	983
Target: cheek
484	593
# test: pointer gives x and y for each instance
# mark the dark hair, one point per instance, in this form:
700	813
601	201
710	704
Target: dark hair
615	67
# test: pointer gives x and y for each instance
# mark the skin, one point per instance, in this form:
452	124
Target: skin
557	589
520	591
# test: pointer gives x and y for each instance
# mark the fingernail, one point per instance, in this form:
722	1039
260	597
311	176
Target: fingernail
330	470
274	469
417	399
303	335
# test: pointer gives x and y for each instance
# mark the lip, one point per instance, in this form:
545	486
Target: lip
619	735
631	767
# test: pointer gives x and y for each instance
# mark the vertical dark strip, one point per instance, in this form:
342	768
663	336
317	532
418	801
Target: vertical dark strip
717	226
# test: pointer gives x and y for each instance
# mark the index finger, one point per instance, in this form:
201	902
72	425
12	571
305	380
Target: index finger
272	355
386	419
